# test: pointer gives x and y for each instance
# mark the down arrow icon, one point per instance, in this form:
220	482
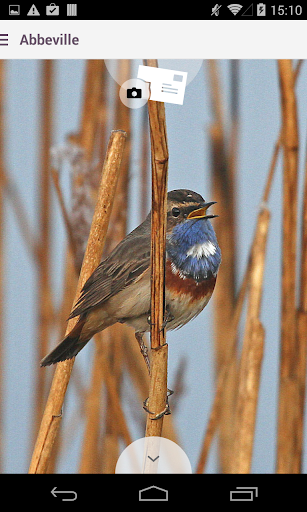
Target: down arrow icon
153	460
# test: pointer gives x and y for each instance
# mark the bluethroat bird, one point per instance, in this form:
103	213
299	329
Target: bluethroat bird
119	288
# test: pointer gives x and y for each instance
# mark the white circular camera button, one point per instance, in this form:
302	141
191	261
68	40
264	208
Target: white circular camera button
134	93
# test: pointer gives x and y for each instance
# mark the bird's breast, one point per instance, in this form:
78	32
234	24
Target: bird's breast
179	284
185	297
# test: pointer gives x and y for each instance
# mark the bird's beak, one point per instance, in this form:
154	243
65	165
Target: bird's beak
200	213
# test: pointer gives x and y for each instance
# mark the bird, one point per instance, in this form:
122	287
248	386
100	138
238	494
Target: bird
119	288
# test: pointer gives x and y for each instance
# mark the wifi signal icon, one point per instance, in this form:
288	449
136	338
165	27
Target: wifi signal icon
234	8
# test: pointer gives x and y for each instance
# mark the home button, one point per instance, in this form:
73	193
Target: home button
153	493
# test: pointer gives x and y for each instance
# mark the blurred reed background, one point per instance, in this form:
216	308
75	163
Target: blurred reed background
66	180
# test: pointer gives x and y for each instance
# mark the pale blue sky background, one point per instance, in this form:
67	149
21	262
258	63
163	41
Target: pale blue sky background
189	167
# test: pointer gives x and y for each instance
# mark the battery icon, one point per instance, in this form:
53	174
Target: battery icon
261	9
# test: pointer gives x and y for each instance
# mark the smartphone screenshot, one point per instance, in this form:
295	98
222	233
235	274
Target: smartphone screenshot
153	254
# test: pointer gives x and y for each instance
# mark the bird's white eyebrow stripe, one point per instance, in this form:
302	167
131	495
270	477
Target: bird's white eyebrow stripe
199	250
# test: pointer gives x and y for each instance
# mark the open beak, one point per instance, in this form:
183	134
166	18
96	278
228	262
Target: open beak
200	213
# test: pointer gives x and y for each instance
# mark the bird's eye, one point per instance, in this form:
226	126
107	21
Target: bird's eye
175	212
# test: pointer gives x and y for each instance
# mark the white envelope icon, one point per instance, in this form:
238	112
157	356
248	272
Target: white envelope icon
166	85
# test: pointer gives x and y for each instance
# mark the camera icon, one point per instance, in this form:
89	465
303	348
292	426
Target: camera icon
134	93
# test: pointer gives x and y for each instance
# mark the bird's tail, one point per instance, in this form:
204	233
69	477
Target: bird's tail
68	348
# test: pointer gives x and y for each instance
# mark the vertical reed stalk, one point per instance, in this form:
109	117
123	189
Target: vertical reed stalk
89	452
2	125
91	103
44	290
288	386
20	212
214	414
223	186
251	357
159	166
144	168
53	410
301	333
118	224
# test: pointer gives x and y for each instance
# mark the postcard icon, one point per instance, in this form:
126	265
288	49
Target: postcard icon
166	85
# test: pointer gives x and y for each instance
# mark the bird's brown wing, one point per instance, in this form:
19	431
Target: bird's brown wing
129	259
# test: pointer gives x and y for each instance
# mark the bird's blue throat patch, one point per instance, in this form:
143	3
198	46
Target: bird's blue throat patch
193	249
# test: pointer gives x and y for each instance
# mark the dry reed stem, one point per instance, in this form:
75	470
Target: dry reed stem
70	281
223	185
65	215
159	166
145	168
134	362
91	104
303	274
301	387
115	425
2	156
257	265
88	460
115	428
44	301
289	399
220	384
91	138
10	190
53	411
103	112
246	407
115	407
123	121
117	231
251	356
221	379
301	333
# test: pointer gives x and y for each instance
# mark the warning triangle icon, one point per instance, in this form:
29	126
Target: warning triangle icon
33	11
249	11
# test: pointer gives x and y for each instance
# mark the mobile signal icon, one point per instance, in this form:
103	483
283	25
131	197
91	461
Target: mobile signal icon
234	8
